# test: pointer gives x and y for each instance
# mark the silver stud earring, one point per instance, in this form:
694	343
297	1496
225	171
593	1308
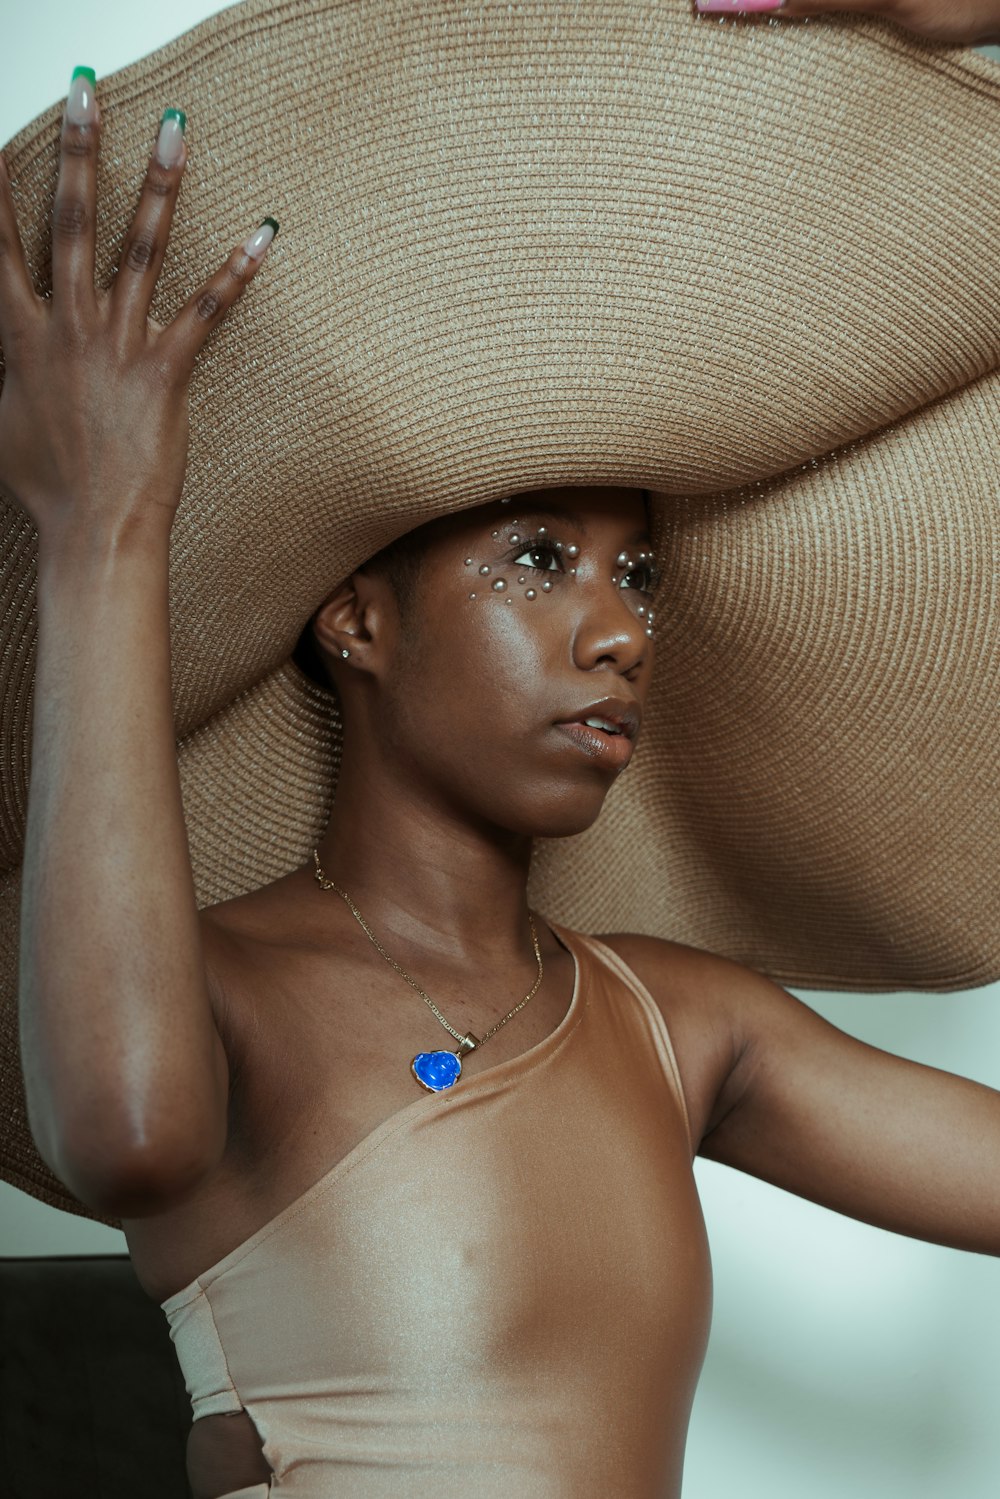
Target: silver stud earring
345	653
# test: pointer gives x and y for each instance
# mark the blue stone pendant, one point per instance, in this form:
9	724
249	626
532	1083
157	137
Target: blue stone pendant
436	1070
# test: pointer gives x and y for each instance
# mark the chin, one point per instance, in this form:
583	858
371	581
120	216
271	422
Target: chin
573	811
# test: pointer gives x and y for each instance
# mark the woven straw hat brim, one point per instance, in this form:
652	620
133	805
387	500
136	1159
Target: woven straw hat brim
751	265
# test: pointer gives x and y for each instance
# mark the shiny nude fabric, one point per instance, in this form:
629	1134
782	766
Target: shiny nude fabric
504	1292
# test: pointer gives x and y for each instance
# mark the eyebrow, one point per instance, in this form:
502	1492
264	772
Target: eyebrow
574	519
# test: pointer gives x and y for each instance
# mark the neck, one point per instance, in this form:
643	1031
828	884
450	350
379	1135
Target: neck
423	876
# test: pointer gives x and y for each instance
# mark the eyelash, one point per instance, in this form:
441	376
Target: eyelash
539	544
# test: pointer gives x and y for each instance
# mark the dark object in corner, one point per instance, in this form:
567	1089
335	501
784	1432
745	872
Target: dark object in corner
92	1401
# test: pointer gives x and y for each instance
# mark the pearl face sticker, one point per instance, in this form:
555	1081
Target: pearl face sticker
554	557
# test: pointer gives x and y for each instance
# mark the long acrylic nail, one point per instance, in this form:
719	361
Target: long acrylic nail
81	101
170	141
258	242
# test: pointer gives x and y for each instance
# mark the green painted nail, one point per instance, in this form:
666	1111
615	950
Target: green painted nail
175	114
273	223
87	72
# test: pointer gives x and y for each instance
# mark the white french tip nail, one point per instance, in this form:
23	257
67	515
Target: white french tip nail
259	241
170	143
81	101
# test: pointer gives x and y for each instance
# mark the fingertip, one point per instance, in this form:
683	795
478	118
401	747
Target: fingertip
256	247
171	149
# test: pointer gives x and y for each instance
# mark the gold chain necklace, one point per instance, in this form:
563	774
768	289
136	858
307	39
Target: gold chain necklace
435	1070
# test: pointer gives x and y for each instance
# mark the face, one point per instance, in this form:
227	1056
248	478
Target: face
527	612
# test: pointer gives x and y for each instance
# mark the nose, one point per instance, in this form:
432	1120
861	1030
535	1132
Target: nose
609	626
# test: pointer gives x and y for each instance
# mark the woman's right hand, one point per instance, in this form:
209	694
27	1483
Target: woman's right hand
94	406
957	23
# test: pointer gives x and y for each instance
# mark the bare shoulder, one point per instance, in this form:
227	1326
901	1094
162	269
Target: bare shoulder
696	992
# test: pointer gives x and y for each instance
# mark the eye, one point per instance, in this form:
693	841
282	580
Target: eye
650	571
537	546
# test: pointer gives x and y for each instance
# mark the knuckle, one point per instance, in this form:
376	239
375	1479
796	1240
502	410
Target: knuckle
79	140
163	370
73	338
161	181
141	252
69	218
208	305
238	269
18	344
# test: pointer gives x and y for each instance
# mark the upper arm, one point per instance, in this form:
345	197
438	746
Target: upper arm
777	1091
818	1112
144	1182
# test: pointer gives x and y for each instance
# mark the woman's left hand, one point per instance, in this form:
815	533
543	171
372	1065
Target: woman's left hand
961	23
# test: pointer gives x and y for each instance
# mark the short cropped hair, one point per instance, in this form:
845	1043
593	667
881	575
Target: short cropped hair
400	562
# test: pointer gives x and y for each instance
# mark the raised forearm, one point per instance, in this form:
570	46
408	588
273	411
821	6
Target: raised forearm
120	1055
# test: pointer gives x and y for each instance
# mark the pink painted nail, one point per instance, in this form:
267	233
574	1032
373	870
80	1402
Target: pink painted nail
738	5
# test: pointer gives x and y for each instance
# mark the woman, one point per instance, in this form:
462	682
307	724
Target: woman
515	1289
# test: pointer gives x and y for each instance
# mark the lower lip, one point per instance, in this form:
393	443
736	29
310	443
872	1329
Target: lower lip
611	749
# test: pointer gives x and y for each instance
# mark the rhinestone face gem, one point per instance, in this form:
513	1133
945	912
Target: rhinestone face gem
436	1070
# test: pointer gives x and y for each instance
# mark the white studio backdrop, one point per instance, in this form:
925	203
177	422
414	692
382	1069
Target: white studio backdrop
844	1360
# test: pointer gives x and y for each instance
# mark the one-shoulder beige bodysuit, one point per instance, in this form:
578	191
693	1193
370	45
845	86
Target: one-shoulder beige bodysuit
505	1290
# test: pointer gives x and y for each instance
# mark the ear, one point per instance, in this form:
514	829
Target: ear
357	617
